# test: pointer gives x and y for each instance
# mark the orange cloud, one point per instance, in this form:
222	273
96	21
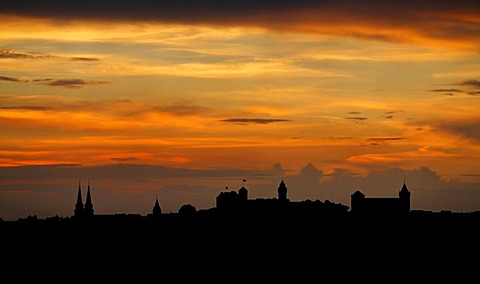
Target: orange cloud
449	23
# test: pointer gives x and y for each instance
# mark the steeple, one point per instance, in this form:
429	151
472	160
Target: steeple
157	211
88	202
282	191
404	196
79	205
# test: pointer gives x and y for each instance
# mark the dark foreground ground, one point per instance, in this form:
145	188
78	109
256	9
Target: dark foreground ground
429	245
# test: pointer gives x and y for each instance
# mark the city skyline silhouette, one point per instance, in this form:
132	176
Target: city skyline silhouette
337	137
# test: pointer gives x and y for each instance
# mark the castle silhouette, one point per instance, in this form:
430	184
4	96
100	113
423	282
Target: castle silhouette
238	225
237	203
381	205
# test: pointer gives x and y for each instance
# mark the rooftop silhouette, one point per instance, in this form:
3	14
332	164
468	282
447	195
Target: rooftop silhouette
235	211
239	227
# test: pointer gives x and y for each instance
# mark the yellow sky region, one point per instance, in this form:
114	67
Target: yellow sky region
341	102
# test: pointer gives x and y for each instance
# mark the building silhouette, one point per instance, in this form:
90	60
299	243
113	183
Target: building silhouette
156	211
232	202
381	206
237	203
83	210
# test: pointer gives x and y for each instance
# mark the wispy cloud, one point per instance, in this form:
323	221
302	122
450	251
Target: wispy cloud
64	83
87	59
448	21
253	120
466	128
470	83
376	141
359	118
472	87
12	79
383	139
24	54
21	54
68	83
39	108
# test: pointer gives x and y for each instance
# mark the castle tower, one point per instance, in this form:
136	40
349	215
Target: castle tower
282	191
88	203
78	212
243	193
157	211
356	201
404	196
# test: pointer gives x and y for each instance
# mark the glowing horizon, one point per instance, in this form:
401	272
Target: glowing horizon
343	89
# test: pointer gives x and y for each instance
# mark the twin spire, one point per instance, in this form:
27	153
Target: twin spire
80	209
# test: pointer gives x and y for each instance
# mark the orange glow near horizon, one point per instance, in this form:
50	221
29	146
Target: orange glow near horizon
348	96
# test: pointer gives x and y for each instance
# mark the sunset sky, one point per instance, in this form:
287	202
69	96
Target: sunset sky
181	99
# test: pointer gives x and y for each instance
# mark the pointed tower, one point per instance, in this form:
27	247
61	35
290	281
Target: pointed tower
78	212
282	191
157	211
404	199
88	203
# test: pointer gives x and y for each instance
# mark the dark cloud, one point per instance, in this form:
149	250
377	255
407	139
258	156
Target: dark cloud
432	19
392	112
87	59
21	54
68	83
387	116
447	90
12	79
383	139
253	120
359	118
354	112
40	108
470	83
466	128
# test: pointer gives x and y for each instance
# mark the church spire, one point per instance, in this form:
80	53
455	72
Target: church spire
88	202
79	205
156	208
282	191
404	196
